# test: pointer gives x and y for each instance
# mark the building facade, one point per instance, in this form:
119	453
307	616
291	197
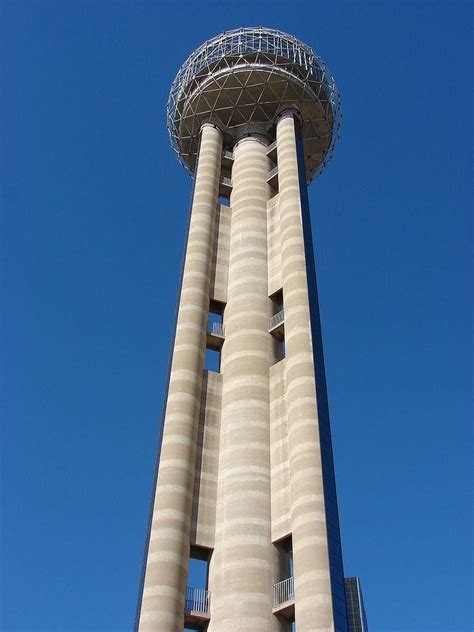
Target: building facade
245	482
356	616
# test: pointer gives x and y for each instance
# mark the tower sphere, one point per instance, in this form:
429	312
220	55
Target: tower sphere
241	80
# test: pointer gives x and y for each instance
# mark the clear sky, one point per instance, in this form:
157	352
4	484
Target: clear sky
93	216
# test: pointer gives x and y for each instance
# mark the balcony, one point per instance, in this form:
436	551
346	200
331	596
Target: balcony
277	319
196	607
225	186
284	598
272	151
273	178
227	160
215	329
277	325
215	335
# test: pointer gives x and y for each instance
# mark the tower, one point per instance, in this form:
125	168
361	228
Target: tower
245	479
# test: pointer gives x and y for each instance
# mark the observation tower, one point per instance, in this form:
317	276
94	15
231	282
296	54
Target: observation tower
245	481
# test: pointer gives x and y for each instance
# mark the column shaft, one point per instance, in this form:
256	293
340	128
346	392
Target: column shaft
313	601
241	569
166	568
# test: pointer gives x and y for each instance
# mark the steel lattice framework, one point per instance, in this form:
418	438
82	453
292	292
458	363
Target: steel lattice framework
240	80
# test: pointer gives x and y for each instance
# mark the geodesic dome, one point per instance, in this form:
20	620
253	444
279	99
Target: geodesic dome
240	80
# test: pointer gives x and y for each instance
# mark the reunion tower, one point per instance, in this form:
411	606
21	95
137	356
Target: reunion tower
245	479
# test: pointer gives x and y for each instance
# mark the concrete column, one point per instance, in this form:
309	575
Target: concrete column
313	602
241	569
166	569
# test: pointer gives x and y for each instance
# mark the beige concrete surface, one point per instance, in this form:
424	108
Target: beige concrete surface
313	600
240	465
167	561
241	569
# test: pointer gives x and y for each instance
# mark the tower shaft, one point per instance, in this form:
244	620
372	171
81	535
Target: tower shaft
164	587
243	554
245	479
307	509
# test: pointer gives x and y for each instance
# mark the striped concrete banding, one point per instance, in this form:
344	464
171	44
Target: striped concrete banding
313	602
165	577
241	569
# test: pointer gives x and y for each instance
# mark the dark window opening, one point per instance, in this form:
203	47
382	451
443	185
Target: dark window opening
284	558
277	302
286	622
278	350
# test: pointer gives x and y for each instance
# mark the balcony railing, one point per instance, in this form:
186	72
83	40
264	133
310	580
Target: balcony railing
273	178
283	591
277	319
215	329
225	186
272	172
226	181
197	600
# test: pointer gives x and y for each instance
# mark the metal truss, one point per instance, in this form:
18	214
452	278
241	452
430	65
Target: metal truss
240	81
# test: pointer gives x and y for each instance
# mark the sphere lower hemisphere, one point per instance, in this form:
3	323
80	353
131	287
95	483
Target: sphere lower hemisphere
241	80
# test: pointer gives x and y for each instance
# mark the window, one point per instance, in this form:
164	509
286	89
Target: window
281	350
284	558
277	302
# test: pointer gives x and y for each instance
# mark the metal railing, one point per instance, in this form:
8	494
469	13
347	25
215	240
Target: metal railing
277	319
216	329
273	172
225	181
197	600
283	591
271	147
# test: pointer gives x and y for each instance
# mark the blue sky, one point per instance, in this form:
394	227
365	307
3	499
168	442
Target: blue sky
93	216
